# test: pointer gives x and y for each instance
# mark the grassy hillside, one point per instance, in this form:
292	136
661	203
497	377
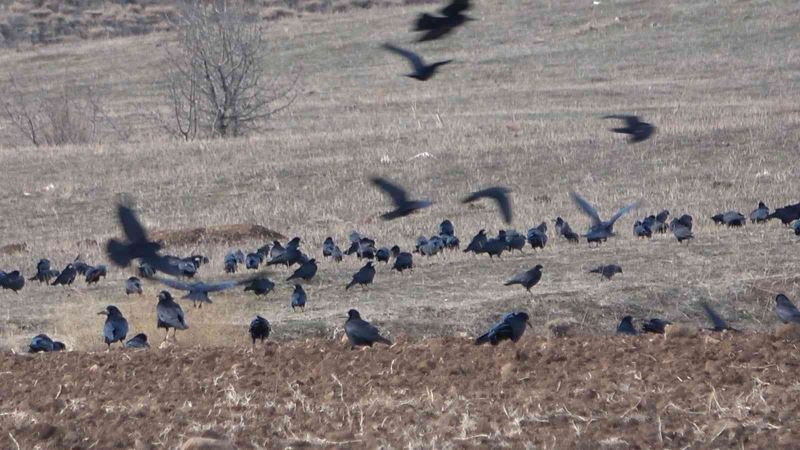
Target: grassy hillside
520	106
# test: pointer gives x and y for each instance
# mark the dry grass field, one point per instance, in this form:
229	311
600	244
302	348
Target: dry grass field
521	106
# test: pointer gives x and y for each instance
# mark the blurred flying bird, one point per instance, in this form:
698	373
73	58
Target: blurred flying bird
402	205
362	333
497	193
259	330
421	71
436	27
599	230
116	327
639	131
169	314
512	327
527	279
716	320
197	290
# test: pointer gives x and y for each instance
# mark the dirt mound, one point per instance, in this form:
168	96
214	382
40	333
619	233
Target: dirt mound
721	391
13	249
217	234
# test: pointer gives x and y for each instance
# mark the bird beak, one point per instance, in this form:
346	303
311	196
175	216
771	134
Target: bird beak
102	313
529	324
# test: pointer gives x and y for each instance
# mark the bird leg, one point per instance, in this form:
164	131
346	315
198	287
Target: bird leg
166	335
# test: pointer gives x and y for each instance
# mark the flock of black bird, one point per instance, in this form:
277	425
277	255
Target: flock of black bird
178	273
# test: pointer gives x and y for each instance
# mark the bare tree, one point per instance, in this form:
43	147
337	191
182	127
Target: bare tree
216	82
69	115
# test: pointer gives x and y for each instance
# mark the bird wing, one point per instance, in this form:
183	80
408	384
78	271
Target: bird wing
499	195
586	208
176	284
455	7
394	191
412	57
624	210
719	322
133	229
221	286
630	120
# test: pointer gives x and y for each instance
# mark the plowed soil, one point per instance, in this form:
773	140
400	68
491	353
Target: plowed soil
697	390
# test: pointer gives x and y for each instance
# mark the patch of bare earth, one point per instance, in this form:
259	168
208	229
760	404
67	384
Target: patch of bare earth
704	390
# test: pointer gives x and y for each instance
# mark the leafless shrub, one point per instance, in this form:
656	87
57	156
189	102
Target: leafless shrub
71	115
216	84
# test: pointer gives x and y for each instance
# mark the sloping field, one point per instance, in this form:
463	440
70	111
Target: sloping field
520	106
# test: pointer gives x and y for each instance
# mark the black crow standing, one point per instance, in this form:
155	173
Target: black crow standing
527	279
511	327
362	333
786	310
12	280
299	298
626	326
66	277
403	261
760	214
260	286
133	285
116	327
259	330
305	272
363	277
169	314
537	237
